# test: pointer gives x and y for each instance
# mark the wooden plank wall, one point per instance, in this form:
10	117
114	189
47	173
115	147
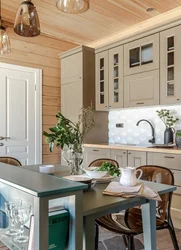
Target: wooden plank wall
41	52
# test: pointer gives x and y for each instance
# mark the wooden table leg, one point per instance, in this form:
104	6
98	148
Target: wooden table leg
89	233
149	225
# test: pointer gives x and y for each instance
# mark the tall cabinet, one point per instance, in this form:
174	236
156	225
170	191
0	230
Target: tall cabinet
109	79
170	66
78	90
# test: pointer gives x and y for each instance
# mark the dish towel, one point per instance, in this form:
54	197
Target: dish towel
116	189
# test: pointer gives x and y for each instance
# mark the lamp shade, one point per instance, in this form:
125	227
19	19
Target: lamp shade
4	41
73	6
27	22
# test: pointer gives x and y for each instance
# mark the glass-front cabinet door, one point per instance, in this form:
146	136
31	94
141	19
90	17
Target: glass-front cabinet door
170	66
102	81
141	55
116	77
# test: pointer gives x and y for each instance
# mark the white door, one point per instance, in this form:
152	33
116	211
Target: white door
20	113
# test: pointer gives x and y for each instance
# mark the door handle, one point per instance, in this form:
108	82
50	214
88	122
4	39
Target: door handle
4	138
1	144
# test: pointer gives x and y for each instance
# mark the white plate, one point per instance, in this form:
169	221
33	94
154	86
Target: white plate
104	179
78	178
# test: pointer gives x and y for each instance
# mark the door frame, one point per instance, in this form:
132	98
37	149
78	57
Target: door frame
38	104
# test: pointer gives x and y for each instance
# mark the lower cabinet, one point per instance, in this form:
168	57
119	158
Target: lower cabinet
91	154
120	156
136	158
173	162
123	157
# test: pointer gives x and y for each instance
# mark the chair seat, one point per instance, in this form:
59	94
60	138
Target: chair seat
129	223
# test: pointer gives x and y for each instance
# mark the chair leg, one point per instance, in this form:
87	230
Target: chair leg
125	239
173	235
131	245
96	236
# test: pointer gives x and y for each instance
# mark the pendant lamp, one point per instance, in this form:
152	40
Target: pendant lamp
73	6
4	39
27	22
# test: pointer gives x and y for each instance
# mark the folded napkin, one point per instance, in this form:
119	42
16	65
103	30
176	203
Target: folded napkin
116	189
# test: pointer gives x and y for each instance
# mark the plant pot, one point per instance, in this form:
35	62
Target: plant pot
168	135
178	138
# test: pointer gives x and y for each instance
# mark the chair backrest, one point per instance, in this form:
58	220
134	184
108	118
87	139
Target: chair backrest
161	175
10	160
99	162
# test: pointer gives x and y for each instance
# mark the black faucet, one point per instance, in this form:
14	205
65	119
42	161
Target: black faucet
152	140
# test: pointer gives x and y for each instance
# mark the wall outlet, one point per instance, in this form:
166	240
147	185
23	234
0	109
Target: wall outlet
119	125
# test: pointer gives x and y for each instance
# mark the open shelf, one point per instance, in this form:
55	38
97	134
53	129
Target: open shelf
9	240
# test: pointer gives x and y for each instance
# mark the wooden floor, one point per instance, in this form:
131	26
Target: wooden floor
112	241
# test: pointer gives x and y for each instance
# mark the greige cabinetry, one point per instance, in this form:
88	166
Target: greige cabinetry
120	156
109	79
173	162
93	153
141	89
141	72
136	158
77	81
170	66
141	55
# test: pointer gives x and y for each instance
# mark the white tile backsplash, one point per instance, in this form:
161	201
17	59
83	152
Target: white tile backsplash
131	133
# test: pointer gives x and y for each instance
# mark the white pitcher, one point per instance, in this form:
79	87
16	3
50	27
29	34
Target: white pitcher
128	176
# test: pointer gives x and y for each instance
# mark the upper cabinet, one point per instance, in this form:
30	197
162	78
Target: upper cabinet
170	66
141	89
77	81
71	67
109	79
141	55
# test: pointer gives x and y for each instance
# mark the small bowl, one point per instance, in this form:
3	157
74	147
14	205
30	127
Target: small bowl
46	169
95	174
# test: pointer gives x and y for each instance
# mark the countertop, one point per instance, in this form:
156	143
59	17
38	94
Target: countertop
174	150
35	183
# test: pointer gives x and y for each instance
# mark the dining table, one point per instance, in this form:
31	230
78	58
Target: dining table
96	204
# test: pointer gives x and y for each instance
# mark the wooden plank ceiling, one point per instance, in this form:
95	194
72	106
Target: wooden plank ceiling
104	18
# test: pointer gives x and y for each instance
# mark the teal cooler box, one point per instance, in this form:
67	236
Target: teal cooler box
58	229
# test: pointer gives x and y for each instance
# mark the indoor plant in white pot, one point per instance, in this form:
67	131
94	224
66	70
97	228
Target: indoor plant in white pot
69	137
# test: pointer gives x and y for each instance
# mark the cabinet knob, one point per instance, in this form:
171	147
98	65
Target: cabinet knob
109	106
1	144
129	153
124	152
105	106
95	150
178	99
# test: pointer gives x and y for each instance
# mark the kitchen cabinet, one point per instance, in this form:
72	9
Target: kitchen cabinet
170	66
109	79
141	55
136	158
141	89
94	153
77	81
120	156
173	162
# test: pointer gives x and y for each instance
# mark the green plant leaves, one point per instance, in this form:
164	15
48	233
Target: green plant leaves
66	132
166	117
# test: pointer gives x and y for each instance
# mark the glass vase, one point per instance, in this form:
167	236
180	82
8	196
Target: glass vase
77	159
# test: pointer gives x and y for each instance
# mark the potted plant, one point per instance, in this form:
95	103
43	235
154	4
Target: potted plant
69	137
169	121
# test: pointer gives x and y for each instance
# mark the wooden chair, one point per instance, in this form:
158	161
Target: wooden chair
129	223
10	160
99	162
